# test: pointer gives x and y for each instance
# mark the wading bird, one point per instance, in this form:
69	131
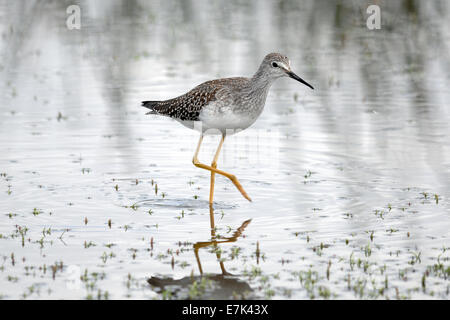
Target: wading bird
225	106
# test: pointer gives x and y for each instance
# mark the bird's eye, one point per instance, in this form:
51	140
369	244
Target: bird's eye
274	64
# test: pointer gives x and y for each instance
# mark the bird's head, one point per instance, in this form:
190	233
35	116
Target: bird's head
276	65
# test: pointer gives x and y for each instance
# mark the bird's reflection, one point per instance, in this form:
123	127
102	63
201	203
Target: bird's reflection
216	241
225	285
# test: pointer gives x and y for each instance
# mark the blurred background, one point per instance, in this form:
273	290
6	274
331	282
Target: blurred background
367	152
127	51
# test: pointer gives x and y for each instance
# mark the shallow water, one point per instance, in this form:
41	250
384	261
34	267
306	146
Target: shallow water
349	182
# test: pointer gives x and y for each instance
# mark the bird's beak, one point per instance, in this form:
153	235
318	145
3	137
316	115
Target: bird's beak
296	77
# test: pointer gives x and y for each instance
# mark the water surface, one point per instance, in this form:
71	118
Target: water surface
350	182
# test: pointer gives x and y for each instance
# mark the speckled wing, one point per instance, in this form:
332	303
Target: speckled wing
188	106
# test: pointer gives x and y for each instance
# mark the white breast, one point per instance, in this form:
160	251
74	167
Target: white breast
222	118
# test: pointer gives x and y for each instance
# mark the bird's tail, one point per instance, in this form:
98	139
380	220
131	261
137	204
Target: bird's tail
150	105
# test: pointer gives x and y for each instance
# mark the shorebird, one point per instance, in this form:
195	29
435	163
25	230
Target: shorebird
224	107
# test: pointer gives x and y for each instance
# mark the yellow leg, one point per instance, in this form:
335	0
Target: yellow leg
214	170
213	174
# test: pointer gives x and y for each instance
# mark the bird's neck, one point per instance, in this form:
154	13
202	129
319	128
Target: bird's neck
261	80
260	84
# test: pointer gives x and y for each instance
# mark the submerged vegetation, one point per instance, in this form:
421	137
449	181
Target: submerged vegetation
363	265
